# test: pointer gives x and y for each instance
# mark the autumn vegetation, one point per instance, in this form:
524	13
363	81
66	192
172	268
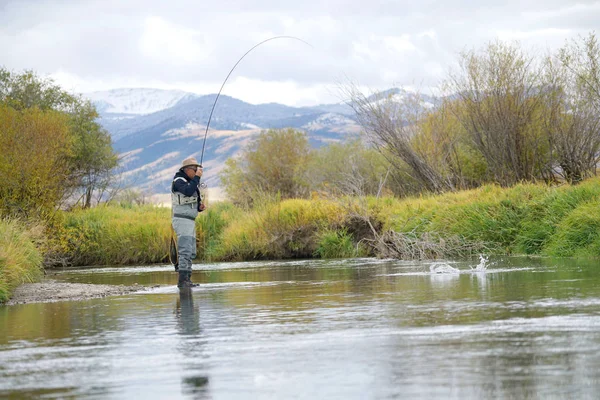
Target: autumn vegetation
54	154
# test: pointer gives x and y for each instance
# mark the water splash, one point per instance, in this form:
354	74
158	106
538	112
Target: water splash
483	264
443	268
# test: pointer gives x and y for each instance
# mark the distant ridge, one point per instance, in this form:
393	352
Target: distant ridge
154	129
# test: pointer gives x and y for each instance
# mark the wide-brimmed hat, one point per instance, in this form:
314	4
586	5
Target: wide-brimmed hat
190	162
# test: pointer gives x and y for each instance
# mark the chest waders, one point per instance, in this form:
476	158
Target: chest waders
185	211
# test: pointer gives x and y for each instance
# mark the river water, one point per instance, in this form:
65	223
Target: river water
342	329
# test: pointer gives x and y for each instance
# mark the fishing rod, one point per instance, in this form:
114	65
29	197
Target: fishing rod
229	74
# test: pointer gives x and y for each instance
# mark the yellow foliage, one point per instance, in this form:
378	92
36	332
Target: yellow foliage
35	145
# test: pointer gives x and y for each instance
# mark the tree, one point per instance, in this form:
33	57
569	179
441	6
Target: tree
572	120
36	147
500	97
445	145
92	158
273	163
27	90
391	126
349	168
582	58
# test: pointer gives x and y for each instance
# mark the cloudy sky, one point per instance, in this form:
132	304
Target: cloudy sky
88	45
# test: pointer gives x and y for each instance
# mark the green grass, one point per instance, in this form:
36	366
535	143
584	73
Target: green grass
578	233
209	228
524	219
116	235
336	244
20	259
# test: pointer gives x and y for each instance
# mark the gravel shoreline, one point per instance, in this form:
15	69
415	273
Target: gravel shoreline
51	290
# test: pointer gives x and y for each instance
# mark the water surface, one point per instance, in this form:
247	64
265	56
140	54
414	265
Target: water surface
343	329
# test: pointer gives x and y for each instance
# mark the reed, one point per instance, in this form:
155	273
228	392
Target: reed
20	259
117	235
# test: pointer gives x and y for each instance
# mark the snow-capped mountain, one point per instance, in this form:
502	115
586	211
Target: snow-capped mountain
402	96
137	101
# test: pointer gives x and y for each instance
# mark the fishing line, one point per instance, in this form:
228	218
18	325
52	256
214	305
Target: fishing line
225	81
202	184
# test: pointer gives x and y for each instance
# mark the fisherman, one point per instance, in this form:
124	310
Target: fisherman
186	204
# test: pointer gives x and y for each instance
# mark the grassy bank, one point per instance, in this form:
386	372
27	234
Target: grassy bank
525	219
20	259
114	235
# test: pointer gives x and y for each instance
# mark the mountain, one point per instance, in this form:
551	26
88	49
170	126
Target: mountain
153	129
137	101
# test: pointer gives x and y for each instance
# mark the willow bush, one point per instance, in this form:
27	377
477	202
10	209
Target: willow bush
34	164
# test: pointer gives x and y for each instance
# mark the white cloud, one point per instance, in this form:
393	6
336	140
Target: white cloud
286	92
166	42
191	45
519	35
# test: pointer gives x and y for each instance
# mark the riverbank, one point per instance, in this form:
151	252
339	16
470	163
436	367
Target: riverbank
50	291
528	219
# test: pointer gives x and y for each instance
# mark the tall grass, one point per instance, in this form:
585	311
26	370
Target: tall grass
546	213
337	244
117	235
279	229
209	228
524	219
578	233
20	259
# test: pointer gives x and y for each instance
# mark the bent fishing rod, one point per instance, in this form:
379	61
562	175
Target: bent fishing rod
229	74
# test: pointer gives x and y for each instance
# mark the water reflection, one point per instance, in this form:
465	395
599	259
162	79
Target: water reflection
349	329
444	280
188	318
191	346
196	387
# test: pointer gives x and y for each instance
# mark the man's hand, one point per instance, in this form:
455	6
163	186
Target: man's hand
199	172
202	207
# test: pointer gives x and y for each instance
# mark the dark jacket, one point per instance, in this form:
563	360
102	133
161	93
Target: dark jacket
187	188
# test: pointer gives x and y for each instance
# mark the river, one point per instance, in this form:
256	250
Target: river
511	327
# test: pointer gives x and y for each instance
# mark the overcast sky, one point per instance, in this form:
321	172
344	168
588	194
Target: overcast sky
88	45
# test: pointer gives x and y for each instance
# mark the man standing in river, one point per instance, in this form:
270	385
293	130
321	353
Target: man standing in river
186	203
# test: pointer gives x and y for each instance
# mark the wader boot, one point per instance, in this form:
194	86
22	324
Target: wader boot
189	279
185	280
